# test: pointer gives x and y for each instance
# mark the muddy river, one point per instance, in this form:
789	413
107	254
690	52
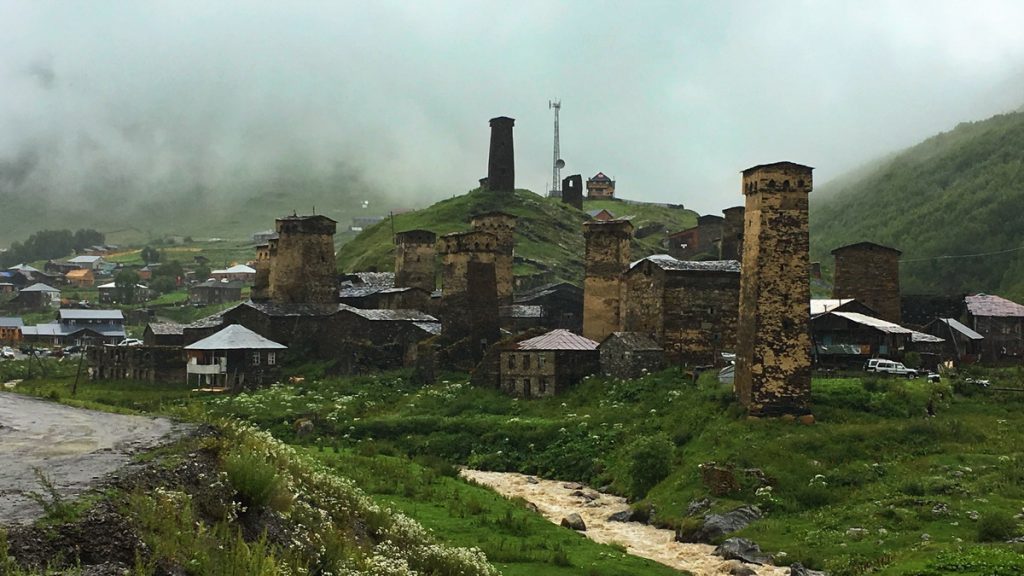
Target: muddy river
555	501
71	446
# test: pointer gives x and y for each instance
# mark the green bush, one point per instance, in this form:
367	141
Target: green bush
256	480
996	527
648	462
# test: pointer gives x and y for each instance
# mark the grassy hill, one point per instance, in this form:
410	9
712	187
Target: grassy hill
548	235
957	193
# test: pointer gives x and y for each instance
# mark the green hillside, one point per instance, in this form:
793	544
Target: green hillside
548	234
957	193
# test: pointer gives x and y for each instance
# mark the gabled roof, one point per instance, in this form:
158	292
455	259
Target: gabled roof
110	285
867	246
84	259
991	305
916	336
521	311
379	280
594	213
389	315
40	287
964	330
74	314
11	322
236	269
273	309
633	341
221	284
782	164
166	328
822	305
24	268
547	289
599	177
558	340
235	337
876	323
666	262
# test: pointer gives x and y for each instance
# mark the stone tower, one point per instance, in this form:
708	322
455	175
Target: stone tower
302	267
572	191
869	273
469	297
732	234
501	163
414	260
607	260
773	355
503	227
261	284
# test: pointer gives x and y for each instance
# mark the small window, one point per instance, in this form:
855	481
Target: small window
526	362
254	358
544	385
511	361
541	358
271	358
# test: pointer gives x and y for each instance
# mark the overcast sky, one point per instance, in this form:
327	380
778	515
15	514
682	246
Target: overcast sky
672	99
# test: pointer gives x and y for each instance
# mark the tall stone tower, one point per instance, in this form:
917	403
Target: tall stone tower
501	163
261	284
469	297
773	356
732	234
302	267
503	226
869	273
607	260
414	260
572	191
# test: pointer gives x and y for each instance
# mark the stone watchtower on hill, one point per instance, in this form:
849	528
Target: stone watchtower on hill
469	297
414	260
503	227
501	163
870	274
302	266
606	261
773	356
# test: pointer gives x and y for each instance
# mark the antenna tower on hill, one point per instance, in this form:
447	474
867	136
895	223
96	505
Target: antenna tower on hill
556	161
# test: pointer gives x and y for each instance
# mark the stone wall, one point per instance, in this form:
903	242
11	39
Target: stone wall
732	233
869	273
606	260
302	267
415	253
541	373
773	356
469	300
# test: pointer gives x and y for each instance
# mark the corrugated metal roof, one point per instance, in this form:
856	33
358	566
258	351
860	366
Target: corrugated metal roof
875	323
992	305
822	305
24	268
666	262
922	337
558	340
235	337
633	340
11	322
221	284
58	329
521	311
84	259
39	287
236	269
955	325
74	314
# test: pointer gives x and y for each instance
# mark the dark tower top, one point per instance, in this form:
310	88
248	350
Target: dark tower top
501	164
572	191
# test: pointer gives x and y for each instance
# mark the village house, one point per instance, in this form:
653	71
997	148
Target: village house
215	291
377	290
10	330
548	364
701	242
7	288
961	343
164	334
690	308
851	338
87	262
823	305
630	355
600	187
234	358
37	296
516	318
81	278
78	327
110	294
1000	322
146	272
139	363
237	273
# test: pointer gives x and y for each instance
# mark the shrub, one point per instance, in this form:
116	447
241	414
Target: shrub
996	527
813	496
649	461
256	480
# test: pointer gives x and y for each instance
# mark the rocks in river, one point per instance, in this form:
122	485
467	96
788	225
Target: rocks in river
572	486
741	549
575	522
532	480
718	525
587	496
797	569
737	568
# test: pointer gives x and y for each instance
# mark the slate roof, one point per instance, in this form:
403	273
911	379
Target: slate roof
666	262
73	314
547	289
429	327
922	337
870	245
166	328
970	334
235	337
272	309
992	305
389	315
633	341
522	311
379	280
558	340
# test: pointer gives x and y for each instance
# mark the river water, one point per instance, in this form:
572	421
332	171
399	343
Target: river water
555	500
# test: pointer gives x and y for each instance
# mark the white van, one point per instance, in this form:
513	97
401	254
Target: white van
889	367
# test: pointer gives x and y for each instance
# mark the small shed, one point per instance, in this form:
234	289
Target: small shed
164	334
630	354
548	364
234	358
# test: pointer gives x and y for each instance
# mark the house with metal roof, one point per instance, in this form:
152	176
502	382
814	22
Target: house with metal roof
81	278
547	364
234	358
962	344
561	305
215	291
1000	322
600	187
236	273
849	338
37	296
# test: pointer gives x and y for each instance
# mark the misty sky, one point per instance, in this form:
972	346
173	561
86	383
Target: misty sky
672	99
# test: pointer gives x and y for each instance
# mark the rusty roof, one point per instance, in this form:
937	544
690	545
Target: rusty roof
558	340
992	305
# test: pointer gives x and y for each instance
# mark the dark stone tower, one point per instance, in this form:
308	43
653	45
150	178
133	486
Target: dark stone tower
414	260
732	233
469	297
503	226
606	261
572	191
869	273
773	355
501	164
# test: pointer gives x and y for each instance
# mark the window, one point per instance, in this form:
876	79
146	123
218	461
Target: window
511	361
526	362
271	358
544	385
541	358
254	358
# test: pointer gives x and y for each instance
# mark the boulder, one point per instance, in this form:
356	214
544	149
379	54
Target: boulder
741	549
575	522
623	516
698	507
742	570
718	525
797	569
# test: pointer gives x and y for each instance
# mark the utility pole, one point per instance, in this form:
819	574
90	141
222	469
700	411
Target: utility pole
556	161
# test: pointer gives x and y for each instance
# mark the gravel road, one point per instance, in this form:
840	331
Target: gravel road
73	447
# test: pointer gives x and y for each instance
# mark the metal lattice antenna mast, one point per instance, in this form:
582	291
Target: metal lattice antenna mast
556	160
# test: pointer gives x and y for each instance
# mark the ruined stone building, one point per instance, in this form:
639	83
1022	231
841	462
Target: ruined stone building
630	355
869	273
548	364
731	247
469	297
606	261
773	355
299	264
503	226
415	253
501	162
560	303
572	191
600	187
690	308
141	363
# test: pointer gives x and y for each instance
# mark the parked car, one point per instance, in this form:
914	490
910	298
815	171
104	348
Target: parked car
73	349
130	342
895	368
7	352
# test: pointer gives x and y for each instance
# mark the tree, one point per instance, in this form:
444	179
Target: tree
150	255
124	286
202	272
163	284
648	462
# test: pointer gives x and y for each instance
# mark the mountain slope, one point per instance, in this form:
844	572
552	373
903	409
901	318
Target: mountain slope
955	194
549	233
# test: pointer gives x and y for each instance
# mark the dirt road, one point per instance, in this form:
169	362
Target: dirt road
71	446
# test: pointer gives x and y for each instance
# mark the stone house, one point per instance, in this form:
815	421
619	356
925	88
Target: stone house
548	364
690	308
378	290
234	358
600	187
215	291
1000	322
700	242
517	318
630	355
109	294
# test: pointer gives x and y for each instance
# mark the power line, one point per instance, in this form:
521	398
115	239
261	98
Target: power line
956	256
